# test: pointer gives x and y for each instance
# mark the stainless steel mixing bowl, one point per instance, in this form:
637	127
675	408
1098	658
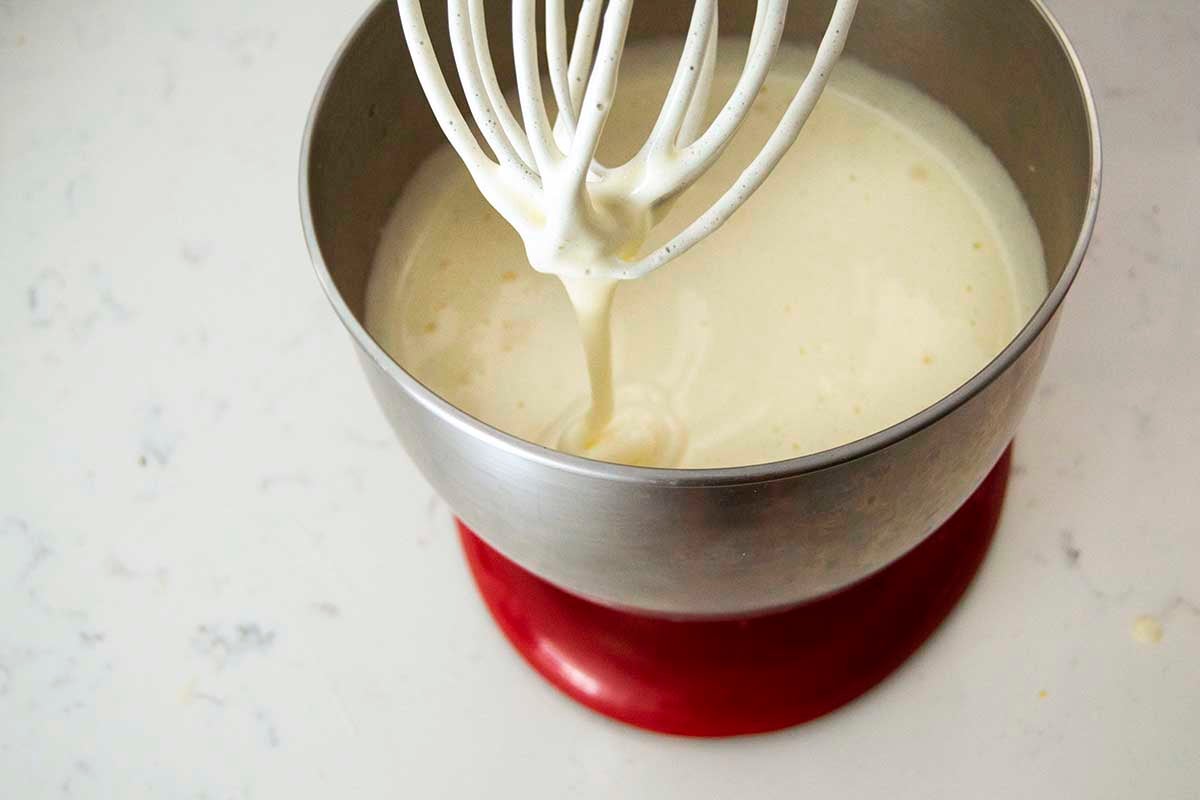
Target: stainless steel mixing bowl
734	541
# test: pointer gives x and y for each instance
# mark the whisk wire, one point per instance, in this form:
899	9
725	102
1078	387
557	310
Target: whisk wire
557	161
529	87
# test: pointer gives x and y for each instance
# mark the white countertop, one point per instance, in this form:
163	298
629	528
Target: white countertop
221	578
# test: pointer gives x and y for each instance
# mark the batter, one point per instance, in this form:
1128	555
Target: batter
887	260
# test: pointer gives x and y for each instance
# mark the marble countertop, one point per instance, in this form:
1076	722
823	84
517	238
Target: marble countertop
221	578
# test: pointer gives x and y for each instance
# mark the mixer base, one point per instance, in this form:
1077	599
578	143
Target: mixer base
730	677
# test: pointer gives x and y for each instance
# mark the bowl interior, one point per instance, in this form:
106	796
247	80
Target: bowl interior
1002	65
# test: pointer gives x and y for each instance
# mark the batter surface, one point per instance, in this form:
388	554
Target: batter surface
885	262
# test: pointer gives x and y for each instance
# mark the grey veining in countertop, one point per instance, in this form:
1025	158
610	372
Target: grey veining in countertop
220	578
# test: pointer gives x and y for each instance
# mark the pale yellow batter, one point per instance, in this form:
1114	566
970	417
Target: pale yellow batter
886	261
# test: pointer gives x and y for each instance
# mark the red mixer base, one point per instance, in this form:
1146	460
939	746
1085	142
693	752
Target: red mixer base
729	677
